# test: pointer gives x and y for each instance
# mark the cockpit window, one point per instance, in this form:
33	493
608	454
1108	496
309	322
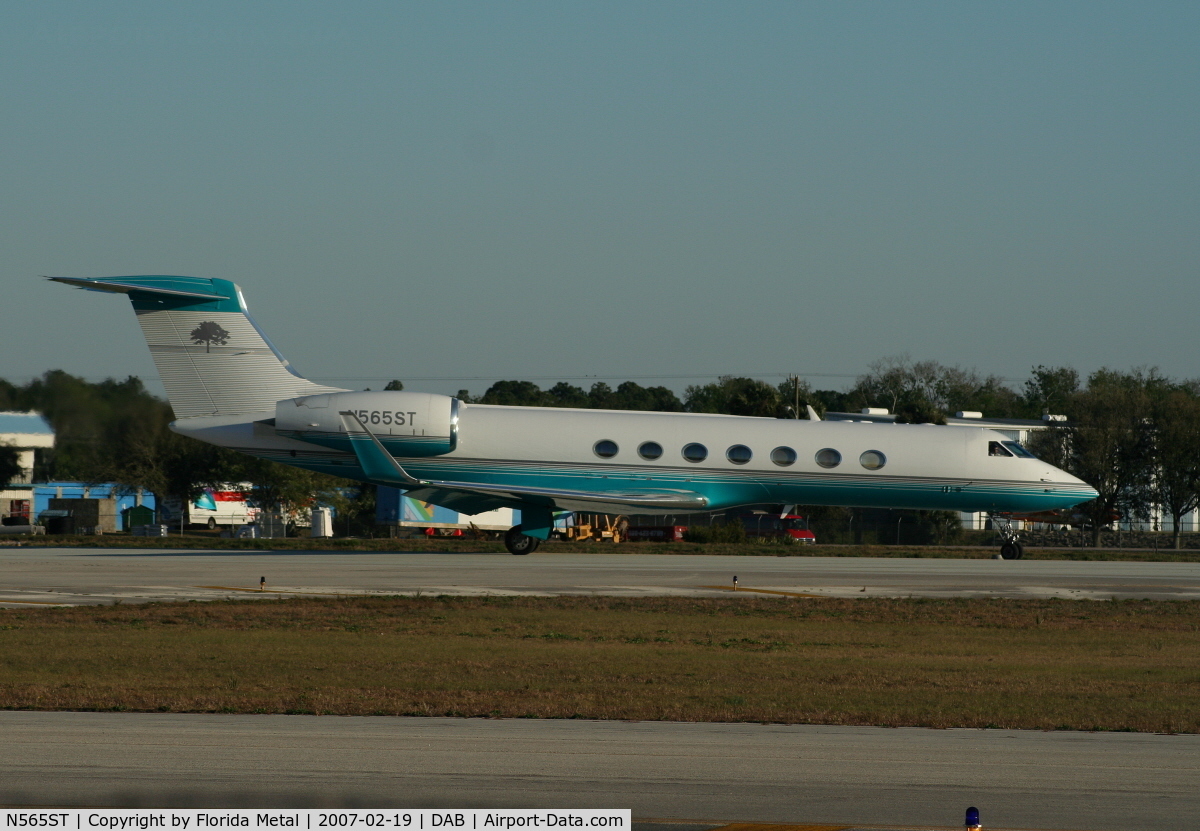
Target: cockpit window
1019	450
995	448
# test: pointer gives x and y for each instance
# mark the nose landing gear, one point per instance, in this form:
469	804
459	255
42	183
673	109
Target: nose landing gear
1010	547
518	543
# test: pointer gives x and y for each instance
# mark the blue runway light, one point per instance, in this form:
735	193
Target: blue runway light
972	818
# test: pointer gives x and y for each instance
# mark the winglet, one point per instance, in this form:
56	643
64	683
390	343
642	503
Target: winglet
812	414
376	462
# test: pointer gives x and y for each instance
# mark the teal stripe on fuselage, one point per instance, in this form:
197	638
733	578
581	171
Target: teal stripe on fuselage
400	447
723	489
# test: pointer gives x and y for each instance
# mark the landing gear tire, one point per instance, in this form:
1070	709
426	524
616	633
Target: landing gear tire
1012	551
212	524
1010	548
518	543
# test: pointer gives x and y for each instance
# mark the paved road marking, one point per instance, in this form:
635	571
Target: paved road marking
764	591
278	591
754	826
35	602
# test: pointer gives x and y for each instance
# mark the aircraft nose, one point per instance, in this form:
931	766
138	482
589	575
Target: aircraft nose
1061	477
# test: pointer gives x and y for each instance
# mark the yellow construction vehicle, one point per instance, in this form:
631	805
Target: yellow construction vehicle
594	528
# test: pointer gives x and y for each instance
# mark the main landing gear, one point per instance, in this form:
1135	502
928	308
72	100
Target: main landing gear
518	543
1010	547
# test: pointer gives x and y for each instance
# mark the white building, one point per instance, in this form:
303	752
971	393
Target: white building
27	432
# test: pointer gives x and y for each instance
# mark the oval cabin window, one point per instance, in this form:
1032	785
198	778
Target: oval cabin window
606	448
828	457
650	450
695	452
783	456
872	460
739	454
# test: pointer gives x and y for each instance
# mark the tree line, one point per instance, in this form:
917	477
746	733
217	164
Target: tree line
917	391
1133	435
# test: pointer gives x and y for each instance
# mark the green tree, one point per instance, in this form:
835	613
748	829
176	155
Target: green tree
177	467
9	395
94	423
10	465
895	381
1050	388
990	396
354	507
919	412
627	396
927	391
1108	443
735	396
394	385
515	394
795	395
600	396
1176	455
563	394
832	401
116	431
633	396
289	490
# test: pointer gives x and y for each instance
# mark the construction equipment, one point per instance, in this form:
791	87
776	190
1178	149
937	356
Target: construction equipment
592	528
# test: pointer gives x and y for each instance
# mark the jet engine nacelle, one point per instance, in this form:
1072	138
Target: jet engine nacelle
407	423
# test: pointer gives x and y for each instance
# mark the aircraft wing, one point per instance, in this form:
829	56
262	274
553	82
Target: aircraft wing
473	498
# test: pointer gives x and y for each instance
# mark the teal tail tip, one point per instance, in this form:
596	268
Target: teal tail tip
184	288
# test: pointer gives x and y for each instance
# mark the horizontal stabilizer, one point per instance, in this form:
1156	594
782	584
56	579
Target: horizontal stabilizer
125	286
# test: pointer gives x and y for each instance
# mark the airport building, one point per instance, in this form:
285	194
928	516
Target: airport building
62	507
28	433
81	508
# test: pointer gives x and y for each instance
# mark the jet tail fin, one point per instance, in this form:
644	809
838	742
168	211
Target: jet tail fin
212	357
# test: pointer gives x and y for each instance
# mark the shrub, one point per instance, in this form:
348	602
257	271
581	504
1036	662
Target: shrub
719	532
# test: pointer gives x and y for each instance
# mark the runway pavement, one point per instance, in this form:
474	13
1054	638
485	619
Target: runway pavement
75	576
707	772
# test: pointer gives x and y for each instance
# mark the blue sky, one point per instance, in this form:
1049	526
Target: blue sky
568	190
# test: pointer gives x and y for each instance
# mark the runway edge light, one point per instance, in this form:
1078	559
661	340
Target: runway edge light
973	818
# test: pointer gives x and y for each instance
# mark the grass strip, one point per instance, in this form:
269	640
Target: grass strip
1080	665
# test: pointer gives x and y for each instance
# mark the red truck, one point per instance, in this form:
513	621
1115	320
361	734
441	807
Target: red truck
788	527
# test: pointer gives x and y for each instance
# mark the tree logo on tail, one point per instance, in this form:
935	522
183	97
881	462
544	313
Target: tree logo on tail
210	333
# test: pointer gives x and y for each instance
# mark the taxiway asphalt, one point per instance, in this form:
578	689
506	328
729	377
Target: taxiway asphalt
852	776
76	576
